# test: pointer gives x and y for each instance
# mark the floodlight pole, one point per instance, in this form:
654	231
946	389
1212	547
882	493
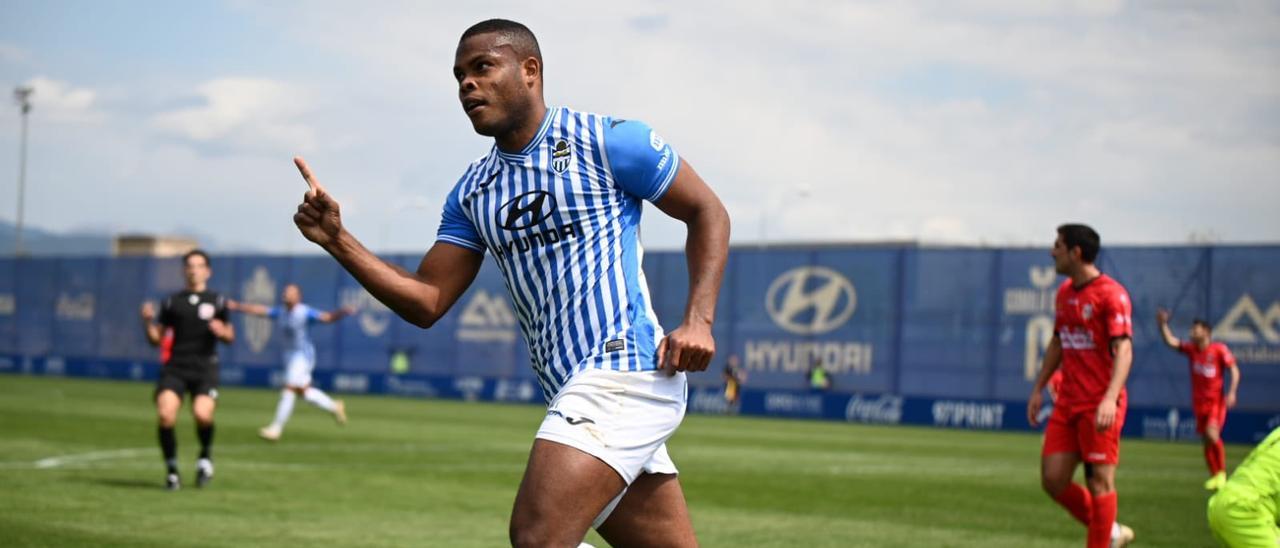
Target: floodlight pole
23	95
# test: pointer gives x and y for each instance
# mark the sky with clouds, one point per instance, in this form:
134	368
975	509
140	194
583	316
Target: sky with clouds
981	122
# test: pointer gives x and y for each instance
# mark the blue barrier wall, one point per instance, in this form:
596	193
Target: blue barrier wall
925	324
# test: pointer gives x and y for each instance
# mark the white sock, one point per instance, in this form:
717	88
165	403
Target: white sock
283	409
319	399
1115	529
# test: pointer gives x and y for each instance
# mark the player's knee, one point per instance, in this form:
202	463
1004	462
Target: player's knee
1054	481
1101	484
524	534
1053	485
167	419
526	530
204	418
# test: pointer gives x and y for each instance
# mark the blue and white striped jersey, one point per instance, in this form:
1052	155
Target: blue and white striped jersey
562	220
293	324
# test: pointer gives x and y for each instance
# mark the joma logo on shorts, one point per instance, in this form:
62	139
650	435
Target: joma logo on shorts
571	420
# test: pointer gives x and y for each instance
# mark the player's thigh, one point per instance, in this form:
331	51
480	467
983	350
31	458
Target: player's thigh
168	401
563	490
653	512
1060	453
203	406
298	367
1057	470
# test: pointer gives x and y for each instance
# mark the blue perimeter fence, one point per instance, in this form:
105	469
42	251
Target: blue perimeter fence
946	337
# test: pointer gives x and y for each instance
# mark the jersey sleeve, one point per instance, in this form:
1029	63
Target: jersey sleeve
274	312
642	163
456	228
313	315
165	317
1186	347
1119	316
1228	359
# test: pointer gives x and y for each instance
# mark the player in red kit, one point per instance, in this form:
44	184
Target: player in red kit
1092	344
1209	360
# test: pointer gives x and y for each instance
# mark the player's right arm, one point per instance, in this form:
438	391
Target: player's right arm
1052	360
1166	334
251	309
153	330
420	297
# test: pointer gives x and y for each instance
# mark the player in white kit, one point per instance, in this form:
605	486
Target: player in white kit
557	201
299	356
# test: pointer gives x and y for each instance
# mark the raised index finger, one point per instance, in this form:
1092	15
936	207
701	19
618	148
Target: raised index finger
312	183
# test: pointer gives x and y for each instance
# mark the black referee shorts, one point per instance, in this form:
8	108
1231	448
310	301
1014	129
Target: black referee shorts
196	377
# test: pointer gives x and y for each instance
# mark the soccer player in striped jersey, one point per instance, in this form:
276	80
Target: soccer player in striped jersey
557	202
1209	361
298	354
1092	343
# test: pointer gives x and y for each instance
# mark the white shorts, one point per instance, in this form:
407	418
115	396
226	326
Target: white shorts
620	417
297	369
623	418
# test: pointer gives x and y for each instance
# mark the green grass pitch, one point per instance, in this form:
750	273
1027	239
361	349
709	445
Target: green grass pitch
79	466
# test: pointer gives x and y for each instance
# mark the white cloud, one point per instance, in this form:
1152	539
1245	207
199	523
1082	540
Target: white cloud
58	101
245	113
982	121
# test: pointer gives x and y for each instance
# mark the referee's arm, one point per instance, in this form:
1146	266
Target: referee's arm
152	329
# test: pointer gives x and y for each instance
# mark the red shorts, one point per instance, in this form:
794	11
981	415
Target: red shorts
1076	431
1212	412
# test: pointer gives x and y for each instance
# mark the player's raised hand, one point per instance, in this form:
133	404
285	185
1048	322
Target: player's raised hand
147	311
1162	316
318	216
689	347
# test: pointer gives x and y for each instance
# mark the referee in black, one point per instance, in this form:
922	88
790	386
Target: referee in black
198	318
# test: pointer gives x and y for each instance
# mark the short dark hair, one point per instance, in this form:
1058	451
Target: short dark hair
522	39
1083	237
197	253
1202	323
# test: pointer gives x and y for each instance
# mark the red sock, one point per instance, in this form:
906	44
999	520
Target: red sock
1211	457
1104	516
1077	500
1220	455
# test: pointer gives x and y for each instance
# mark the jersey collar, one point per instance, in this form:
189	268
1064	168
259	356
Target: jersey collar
533	143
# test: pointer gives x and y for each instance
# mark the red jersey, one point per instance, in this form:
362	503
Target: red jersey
1207	368
1086	320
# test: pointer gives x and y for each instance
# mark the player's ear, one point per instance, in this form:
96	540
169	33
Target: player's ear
532	70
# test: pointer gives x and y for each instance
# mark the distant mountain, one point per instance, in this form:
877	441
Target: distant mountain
40	242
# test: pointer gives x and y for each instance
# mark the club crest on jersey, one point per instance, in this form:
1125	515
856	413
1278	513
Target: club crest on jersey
561	156
1087	312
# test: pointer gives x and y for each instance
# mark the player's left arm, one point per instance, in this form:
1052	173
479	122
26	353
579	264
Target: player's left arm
1230	362
1121	362
1118	315
645	166
690	200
